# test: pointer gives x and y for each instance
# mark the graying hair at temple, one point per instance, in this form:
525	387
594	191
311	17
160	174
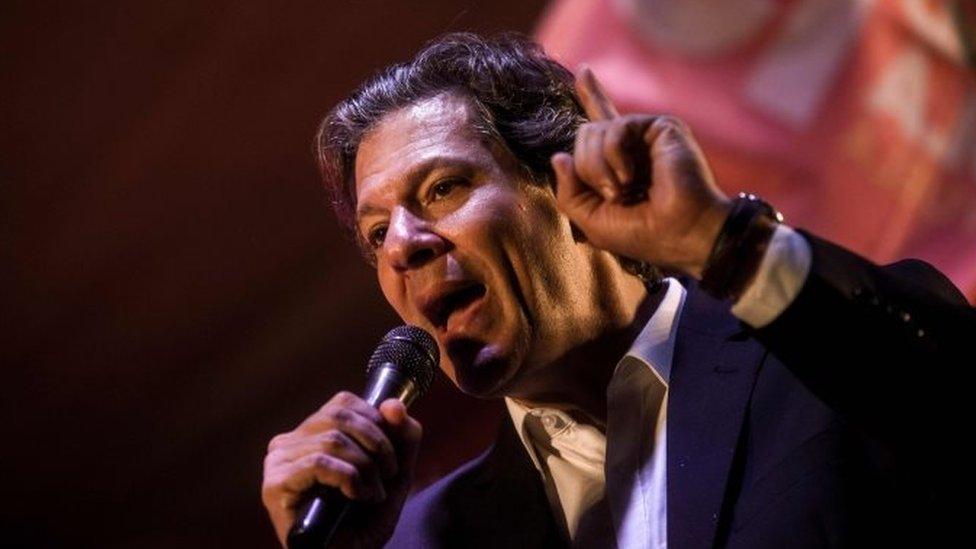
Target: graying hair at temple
524	100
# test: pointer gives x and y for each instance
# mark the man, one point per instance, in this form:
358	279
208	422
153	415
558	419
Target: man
643	414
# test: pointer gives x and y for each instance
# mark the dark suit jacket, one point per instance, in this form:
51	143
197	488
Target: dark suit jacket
839	424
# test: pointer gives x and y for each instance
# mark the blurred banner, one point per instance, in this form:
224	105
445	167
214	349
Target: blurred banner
856	118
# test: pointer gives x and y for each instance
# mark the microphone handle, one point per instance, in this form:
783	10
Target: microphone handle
318	517
321	512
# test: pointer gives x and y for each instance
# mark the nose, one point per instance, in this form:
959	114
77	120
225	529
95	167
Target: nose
410	241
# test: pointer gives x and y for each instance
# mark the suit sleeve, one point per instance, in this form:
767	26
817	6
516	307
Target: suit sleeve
887	346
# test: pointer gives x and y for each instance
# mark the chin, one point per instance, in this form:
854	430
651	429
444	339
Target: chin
481	370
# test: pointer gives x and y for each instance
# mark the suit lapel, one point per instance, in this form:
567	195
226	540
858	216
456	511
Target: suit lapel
713	372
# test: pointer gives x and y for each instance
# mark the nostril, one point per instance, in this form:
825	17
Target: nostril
421	256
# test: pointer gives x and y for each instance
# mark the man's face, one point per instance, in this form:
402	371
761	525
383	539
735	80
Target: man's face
467	247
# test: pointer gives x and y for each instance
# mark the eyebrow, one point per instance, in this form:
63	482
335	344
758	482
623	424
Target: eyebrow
417	175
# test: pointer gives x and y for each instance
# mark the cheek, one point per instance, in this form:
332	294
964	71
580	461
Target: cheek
395	294
492	225
533	240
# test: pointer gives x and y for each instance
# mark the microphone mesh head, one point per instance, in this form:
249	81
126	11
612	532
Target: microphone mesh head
413	350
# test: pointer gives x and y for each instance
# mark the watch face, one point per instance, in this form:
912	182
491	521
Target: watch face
765	207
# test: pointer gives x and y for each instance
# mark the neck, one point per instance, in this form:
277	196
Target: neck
576	381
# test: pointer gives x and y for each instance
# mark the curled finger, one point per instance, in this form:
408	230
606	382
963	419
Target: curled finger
589	163
330	471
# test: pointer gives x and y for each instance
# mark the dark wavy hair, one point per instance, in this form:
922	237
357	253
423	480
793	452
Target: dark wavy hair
523	99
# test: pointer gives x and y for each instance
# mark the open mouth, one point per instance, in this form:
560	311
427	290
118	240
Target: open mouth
456	301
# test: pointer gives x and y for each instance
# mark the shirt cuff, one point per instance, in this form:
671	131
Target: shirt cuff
781	274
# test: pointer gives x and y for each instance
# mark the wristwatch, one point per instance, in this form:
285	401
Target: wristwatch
740	246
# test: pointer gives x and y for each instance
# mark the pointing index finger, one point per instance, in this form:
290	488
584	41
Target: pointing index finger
594	100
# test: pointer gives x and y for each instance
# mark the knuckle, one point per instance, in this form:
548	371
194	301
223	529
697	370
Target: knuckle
339	415
321	461
325	462
669	122
660	122
277	441
335	472
269	464
345	397
333	441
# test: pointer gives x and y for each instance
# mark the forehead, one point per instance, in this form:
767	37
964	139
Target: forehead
437	129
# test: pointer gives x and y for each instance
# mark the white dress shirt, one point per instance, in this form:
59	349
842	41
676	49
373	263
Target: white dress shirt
617	491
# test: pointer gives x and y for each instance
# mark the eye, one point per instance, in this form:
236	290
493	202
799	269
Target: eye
375	236
443	188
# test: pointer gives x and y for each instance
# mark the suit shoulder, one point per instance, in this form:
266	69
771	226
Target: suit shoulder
923	272
838	269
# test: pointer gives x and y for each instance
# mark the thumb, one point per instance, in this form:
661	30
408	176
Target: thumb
405	431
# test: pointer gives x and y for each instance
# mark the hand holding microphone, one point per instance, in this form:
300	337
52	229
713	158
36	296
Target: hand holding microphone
354	450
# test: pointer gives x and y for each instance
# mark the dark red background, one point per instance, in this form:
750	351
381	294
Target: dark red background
174	289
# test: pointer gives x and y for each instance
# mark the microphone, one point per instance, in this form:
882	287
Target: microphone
402	367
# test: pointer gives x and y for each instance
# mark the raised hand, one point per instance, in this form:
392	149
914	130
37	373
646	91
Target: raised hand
639	186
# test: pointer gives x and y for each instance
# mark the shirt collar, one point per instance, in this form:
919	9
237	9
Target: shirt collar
520	413
654	346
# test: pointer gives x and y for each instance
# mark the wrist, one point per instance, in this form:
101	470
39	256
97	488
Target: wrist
710	227
739	247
